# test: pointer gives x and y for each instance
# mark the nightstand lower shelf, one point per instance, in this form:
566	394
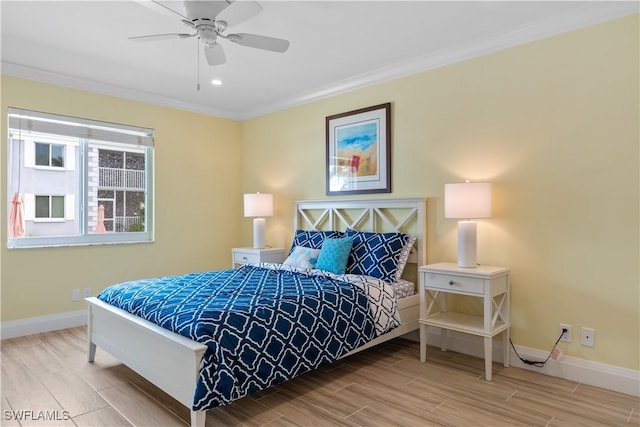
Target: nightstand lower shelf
460	322
488	342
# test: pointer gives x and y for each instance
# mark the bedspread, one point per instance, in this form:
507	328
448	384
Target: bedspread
262	325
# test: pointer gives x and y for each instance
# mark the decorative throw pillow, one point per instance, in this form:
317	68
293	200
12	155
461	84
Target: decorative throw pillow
312	239
303	257
334	255
380	255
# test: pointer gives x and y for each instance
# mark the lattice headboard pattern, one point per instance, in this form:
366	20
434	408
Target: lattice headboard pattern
383	215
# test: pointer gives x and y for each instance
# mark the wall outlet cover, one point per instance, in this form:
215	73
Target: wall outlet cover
567	337
588	337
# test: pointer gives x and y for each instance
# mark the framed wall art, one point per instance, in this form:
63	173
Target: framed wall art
359	151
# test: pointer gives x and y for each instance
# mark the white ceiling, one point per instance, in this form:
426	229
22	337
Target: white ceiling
336	46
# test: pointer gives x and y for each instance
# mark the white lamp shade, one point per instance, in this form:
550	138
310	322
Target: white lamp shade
258	205
467	200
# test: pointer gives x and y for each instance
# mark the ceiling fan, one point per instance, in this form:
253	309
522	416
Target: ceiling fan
209	20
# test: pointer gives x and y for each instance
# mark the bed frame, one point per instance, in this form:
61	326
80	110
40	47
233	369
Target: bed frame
138	343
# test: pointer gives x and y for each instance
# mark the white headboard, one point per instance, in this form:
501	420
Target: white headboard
380	215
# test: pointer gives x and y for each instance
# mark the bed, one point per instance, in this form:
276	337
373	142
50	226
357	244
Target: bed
137	342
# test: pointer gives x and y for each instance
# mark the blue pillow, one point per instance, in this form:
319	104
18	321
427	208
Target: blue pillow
334	255
312	239
380	255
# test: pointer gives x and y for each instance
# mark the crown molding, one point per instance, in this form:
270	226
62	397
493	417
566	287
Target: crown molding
561	23
44	76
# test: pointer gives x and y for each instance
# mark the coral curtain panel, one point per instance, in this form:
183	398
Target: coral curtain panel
100	225
16	217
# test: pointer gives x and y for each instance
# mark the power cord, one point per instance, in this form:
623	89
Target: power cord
538	363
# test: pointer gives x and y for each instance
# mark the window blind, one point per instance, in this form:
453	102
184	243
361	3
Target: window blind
80	128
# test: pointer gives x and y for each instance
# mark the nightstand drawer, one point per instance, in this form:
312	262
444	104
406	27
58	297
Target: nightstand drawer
452	283
246	257
241	256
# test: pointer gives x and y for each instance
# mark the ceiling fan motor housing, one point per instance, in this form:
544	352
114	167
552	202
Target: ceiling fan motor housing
204	9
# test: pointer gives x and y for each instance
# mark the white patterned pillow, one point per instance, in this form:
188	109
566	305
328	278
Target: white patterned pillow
302	257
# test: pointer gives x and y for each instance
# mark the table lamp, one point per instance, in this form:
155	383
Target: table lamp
258	205
467	200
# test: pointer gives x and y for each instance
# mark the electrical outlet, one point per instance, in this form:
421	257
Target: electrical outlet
75	295
87	292
588	337
567	335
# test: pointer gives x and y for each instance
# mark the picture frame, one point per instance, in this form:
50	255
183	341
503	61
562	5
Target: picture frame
359	151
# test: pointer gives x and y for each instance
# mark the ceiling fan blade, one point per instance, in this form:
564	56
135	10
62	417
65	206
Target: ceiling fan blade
156	37
161	7
260	42
215	54
239	11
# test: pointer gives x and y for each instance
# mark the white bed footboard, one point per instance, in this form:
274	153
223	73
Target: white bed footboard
168	360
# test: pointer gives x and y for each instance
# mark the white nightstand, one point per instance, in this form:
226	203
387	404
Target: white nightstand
240	256
489	283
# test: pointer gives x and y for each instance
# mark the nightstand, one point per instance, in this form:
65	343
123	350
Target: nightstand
489	283
240	256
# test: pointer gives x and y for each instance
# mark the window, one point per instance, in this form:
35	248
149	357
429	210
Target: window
51	155
49	207
76	181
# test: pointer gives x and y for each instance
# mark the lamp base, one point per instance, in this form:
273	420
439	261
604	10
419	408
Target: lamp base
467	244
258	233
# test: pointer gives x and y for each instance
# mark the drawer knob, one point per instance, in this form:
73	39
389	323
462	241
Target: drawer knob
244	258
451	282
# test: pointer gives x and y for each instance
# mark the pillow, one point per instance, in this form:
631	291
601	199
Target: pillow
403	288
312	239
303	257
380	255
334	255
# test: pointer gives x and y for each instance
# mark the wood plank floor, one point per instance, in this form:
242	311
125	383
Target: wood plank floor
383	386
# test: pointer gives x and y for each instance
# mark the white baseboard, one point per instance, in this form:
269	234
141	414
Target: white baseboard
36	325
583	371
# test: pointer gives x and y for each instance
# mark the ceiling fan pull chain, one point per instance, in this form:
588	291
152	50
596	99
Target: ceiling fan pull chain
198	61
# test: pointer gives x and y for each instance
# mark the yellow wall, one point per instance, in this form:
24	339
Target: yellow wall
197	189
554	125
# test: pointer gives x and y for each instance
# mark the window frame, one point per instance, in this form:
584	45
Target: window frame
50	156
20	123
50	218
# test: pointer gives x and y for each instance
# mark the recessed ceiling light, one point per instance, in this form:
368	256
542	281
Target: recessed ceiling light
216	82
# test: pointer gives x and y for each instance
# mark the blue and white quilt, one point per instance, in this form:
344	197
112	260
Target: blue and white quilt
262	324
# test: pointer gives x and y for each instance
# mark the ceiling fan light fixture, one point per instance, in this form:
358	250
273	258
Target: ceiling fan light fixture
220	26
